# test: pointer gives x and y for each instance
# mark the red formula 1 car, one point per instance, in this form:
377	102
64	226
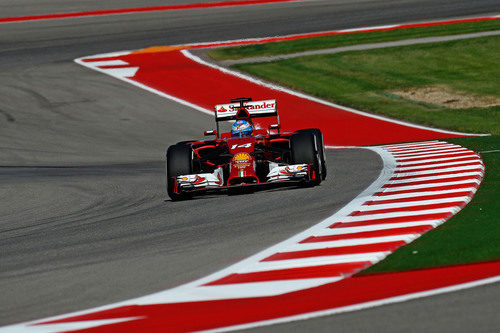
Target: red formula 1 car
246	158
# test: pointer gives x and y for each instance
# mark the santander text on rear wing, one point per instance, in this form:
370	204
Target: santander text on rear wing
267	108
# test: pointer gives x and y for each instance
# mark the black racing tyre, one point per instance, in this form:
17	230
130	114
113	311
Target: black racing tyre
179	162
320	147
303	150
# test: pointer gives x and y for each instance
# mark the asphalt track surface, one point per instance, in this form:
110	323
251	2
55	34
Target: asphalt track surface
84	217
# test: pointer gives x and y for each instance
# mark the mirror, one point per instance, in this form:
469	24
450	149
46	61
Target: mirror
210	132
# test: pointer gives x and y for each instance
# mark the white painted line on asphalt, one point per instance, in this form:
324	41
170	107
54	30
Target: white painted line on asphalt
67	327
429	151
421	194
232	291
349	242
412	150
434	154
430	186
474	159
313	261
422	178
374	227
420	147
121	72
375	207
478	167
103	55
108	63
381	216
414	144
442	159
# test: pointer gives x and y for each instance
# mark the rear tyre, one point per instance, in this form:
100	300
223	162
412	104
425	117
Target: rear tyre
303	150
179	162
320	145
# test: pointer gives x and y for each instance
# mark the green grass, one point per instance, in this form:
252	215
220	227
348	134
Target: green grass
362	80
316	43
472	235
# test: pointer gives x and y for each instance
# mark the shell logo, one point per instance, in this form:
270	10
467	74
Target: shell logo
241	157
242	126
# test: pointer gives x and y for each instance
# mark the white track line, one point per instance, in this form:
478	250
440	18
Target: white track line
233	291
420	147
433	154
419	178
430	185
421	194
350	242
109	63
313	261
414	144
374	227
375	207
429	151
381	216
474	159
436	160
478	167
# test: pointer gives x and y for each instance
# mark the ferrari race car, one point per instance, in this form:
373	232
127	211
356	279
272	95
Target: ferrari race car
246	157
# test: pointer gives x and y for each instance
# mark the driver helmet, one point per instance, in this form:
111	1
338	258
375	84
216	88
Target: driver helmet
241	128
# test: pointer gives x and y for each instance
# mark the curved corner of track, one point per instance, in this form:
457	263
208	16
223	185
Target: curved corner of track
421	186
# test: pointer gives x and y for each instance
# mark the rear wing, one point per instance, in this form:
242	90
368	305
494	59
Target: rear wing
244	108
267	108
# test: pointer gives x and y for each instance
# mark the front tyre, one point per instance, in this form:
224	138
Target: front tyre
303	151
320	146
179	162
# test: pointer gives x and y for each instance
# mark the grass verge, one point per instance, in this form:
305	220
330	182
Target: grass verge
364	80
472	235
306	44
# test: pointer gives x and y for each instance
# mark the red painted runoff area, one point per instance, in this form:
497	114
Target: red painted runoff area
176	75
196	316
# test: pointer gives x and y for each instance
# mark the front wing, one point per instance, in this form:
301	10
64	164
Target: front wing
211	182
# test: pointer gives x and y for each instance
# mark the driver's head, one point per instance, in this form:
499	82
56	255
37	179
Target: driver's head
241	128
